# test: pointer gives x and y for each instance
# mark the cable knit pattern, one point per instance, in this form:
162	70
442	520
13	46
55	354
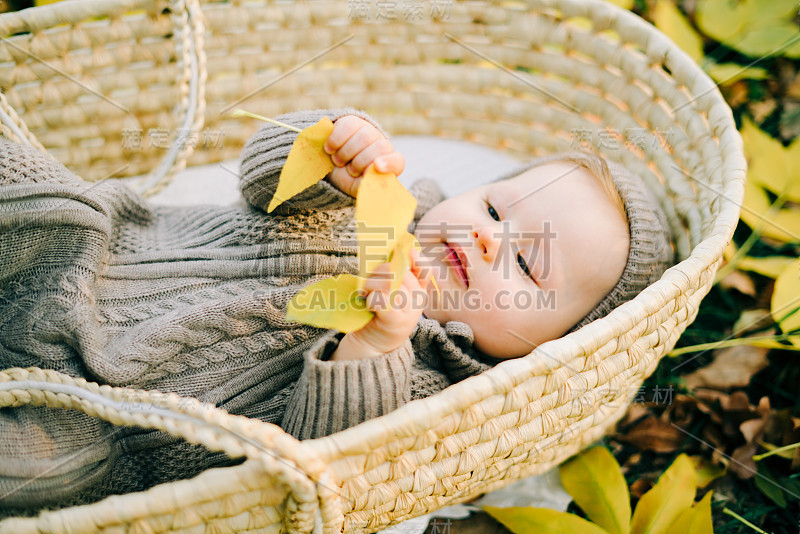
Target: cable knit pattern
96	283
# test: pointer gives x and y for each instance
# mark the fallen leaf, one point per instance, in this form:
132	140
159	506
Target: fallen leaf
655	435
753	27
669	19
751	320
384	209
307	163
770	164
695	520
785	305
330	303
640	487
740	282
730	73
761	109
673	493
732	367
594	480
770	266
782	224
706	471
525	519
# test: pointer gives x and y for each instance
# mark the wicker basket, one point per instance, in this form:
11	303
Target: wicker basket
95	82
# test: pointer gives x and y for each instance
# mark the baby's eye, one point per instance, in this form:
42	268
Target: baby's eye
492	212
523	265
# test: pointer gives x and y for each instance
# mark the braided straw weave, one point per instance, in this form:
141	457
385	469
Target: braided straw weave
95	82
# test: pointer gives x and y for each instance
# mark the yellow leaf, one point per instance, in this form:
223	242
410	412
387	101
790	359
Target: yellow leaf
768	38
786	298
330	303
668	18
722	19
528	520
774	344
770	266
384	208
672	494
695	520
307	163
783	225
706	471
769	163
729	73
754	27
594	479
400	261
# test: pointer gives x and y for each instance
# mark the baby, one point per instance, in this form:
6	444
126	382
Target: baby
520	260
97	283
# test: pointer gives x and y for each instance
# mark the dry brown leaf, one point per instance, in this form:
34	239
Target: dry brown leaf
736	94
655	435
732	367
760	110
635	412
751	320
742	464
640	487
739	281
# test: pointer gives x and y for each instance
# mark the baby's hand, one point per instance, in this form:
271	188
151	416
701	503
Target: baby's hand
354	145
396	313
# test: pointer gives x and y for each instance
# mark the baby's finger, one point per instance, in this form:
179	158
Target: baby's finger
393	163
363	159
343	129
380	279
379	301
364	137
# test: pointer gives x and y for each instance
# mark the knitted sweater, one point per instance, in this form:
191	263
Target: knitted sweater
97	283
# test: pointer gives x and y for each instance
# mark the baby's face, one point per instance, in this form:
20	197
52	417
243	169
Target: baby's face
536	253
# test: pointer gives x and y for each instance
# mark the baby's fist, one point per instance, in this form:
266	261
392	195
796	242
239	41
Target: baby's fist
354	145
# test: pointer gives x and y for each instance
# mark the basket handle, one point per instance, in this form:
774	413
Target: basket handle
189	28
296	466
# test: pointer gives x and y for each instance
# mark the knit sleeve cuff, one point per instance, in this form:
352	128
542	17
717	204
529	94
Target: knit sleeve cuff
334	395
265	154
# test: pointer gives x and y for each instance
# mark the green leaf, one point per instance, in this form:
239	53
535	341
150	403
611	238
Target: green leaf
330	303
594	479
672	494
695	520
770	487
668	18
729	73
527	520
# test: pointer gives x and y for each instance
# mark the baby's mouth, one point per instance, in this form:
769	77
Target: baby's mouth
457	260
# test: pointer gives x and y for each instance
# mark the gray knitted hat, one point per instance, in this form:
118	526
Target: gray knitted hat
650	252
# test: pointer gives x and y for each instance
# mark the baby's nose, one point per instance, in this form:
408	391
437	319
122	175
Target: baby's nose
486	242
